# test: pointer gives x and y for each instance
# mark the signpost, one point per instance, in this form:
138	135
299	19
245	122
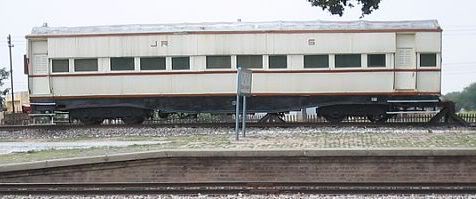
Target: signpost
243	88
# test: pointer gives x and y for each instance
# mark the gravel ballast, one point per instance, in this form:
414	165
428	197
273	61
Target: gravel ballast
246	196
224	138
80	133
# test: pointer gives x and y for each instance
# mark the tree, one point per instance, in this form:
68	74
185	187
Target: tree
465	99
4	74
337	7
454	97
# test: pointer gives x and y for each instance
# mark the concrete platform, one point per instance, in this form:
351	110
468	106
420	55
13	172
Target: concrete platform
323	165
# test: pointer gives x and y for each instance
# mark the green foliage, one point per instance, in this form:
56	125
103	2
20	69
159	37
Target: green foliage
465	99
4	74
337	7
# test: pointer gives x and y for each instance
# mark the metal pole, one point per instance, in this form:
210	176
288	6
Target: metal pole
237	117
243	128
11	72
237	113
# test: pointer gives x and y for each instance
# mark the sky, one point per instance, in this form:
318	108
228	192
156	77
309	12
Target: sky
456	17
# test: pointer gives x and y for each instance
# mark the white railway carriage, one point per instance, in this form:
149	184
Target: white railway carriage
127	71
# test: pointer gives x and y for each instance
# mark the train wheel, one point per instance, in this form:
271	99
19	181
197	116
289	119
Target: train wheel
91	121
334	118
382	118
133	120
187	115
164	115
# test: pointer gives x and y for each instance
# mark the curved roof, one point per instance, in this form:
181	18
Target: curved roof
241	27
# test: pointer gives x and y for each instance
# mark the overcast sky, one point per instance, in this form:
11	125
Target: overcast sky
457	18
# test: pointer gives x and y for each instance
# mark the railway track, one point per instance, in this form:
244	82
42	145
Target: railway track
288	121
235	187
67	126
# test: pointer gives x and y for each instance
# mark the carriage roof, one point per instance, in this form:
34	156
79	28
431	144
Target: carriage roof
241	27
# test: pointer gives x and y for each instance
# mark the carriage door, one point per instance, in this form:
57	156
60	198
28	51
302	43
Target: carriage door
39	81
405	63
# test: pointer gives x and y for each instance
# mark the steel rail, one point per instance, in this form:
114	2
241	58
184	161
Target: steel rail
231	125
236	187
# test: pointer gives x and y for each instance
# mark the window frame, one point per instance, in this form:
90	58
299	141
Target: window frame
427	53
279	68
97	65
376	66
181	69
116	70
316	67
262	62
347	54
154	57
52	65
218	68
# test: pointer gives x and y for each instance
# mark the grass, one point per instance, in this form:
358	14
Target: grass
226	141
192	142
84	138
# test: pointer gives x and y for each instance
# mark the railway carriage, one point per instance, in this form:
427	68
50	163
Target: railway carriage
357	68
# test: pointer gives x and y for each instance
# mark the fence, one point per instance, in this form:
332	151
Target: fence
253	118
210	118
468	117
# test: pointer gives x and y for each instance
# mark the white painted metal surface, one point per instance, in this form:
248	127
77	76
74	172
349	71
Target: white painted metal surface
405	81
40	86
428	41
43	104
40	64
305	83
273	83
401	51
412	101
429	81
413	112
405	59
220	44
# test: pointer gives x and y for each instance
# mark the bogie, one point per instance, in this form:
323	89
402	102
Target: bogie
133	120
96	115
337	113
91	120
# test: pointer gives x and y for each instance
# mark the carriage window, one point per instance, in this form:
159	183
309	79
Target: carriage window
218	62
180	63
376	60
316	61
152	63
348	60
249	61
122	63
428	59
59	65
81	65
278	61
